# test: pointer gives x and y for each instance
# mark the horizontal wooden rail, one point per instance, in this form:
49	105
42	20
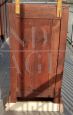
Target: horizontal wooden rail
59	7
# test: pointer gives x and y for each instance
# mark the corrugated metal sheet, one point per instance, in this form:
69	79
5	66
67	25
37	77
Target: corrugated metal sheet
67	85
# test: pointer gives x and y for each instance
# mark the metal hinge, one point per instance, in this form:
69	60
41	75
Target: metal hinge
17	6
59	8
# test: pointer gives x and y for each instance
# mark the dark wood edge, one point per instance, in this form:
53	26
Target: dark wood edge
28	8
60	68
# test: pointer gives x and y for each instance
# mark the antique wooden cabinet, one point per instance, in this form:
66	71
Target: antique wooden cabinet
37	51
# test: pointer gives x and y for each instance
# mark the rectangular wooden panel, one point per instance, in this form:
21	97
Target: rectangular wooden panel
34	42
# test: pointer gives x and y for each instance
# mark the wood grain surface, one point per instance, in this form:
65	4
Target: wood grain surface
36	38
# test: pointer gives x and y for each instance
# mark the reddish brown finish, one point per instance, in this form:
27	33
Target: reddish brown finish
61	55
36	21
2	23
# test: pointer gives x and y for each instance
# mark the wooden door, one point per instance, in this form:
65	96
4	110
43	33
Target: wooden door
34	43
39	58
